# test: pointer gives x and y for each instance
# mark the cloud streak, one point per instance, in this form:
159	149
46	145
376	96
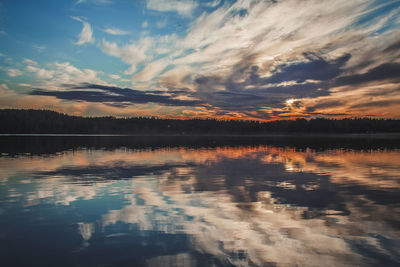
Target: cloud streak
115	31
13	72
182	7
114	95
86	35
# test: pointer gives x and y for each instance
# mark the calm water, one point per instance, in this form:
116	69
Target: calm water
127	201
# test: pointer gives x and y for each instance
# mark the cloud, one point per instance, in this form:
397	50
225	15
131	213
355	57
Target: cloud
86	35
25	84
99	2
182	7
211	3
104	2
13	72
40	72
313	69
392	102
133	54
130	70
384	72
139	54
57	74
39	48
11	99
28	61
109	94
246	91
325	104
101	173
114	76
162	23
151	70
394	47
115	31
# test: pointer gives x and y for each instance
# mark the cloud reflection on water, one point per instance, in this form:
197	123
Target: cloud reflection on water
242	205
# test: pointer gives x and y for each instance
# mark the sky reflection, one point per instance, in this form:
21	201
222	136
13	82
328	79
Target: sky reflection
251	205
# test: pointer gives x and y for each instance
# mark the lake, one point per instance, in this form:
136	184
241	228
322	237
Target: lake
199	201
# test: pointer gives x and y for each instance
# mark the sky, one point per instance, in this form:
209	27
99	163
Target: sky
224	59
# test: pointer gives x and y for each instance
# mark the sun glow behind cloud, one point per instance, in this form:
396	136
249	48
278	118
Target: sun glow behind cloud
232	59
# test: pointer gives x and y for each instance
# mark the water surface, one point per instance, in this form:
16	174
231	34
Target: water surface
69	201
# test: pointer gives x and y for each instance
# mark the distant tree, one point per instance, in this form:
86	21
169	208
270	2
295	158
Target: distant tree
28	121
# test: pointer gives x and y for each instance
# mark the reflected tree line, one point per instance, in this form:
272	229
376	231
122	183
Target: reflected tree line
28	121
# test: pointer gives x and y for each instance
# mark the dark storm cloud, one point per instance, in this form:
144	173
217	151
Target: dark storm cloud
114	95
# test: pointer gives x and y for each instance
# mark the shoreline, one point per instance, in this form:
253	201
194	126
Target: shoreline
296	135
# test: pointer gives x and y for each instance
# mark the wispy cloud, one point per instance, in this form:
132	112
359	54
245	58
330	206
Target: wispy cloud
114	76
101	2
13	72
28	61
133	54
104	2
182	7
86	35
212	3
25	84
55	75
162	23
39	48
115	31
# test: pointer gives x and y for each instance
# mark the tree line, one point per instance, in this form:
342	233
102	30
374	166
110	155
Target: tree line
29	121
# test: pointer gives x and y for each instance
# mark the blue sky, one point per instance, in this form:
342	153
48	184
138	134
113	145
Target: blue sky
213	58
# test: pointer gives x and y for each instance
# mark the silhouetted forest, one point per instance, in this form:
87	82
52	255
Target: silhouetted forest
29	121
